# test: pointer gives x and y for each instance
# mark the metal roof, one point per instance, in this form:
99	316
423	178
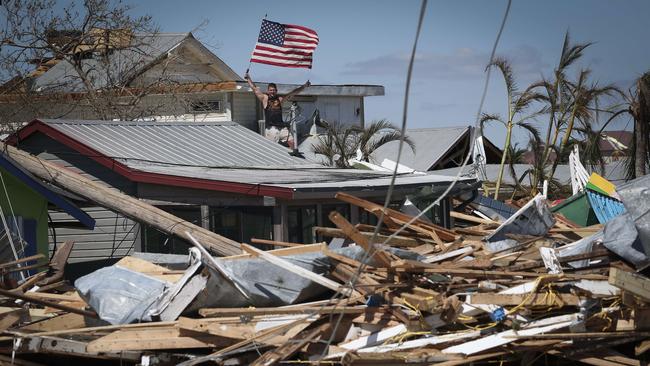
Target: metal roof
304	179
431	144
194	144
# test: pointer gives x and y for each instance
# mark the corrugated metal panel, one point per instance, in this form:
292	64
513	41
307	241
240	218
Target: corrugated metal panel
431	144
114	236
605	207
213	144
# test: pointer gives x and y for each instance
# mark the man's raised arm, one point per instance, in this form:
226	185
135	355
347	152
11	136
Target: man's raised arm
295	91
256	90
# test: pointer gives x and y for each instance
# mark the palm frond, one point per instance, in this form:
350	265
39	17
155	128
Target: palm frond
504	66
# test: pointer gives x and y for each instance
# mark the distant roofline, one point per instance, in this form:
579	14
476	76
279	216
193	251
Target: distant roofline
361	90
134	175
136	123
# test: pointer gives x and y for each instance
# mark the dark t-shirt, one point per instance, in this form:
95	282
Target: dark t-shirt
273	112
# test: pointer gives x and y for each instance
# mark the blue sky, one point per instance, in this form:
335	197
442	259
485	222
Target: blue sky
368	42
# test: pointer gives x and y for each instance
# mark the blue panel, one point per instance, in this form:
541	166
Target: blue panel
605	207
25	177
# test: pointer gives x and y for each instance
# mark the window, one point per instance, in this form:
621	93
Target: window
155	241
206	106
242	223
302	219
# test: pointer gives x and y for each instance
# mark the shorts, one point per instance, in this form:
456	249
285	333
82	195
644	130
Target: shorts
279	135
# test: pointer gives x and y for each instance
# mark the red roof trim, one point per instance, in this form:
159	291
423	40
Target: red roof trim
147	177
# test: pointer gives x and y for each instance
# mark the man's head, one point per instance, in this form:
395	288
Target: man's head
272	89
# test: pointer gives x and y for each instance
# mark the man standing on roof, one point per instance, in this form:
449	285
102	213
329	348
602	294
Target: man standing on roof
276	129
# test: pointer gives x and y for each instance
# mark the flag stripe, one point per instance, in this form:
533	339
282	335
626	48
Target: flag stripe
300	35
301	41
306	66
304	29
287	51
280	48
300	45
306	62
256	53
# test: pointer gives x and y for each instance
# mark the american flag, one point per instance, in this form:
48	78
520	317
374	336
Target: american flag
285	45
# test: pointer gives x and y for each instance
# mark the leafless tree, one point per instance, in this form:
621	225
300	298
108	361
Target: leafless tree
101	51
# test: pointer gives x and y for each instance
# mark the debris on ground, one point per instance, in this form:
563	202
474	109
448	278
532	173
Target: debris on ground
531	285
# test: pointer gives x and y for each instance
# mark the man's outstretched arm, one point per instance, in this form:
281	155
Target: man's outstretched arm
295	91
256	90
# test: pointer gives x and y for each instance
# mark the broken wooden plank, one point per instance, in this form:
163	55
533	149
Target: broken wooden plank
631	282
380	256
152	339
227	312
29	298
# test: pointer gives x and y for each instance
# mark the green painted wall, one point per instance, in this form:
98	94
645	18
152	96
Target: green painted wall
26	203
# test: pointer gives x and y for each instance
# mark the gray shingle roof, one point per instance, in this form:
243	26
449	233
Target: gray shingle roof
431	144
197	144
122	64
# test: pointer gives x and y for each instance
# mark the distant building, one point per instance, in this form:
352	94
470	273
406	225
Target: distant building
170	77
614	145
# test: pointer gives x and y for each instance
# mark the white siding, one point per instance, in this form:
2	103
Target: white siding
344	110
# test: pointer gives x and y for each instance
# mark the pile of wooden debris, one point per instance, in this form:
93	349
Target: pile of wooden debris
531	288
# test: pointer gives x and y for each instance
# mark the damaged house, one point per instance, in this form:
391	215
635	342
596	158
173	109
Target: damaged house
218	175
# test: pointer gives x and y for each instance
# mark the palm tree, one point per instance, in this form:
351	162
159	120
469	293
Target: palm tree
571	106
378	134
517	103
337	145
584	100
558	99
340	143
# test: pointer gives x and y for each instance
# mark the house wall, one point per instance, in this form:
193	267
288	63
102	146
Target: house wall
21	200
114	234
343	110
245	109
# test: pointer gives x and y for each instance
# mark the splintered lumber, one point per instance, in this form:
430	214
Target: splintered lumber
332	309
153	339
35	300
379	255
396	241
631	282
21	260
295	269
377	210
113	199
272	357
259	337
470	218
142	266
274	242
536	299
